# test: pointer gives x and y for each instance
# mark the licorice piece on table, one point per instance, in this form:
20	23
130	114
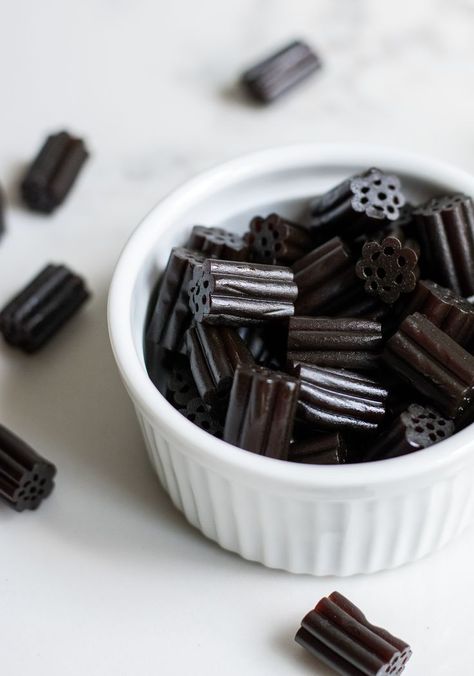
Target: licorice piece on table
280	72
261	411
335	342
53	172
236	294
358	205
171	316
37	312
276	240
214	354
26	478
445	229
218	243
340	636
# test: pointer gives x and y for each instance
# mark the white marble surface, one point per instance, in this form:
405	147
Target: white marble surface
106	578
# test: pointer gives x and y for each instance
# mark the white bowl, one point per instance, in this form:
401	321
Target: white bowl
336	520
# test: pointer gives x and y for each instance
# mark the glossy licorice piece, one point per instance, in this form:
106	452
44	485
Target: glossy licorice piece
180	385
450	312
445	228
434	364
25	477
214	354
280	72
389	267
319	449
218	243
339	634
335	342
37	312
326	279
359	204
276	240
417	427
236	294
261	411
197	412
53	172
171	315
337	399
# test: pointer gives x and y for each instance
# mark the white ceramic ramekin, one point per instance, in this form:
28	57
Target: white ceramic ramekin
306	519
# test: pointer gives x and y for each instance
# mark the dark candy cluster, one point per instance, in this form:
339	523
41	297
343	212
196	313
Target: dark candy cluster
318	343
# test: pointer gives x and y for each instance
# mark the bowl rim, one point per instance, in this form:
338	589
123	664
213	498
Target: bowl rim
215	452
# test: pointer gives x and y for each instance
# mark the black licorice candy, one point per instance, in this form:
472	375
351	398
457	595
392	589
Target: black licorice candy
332	399
416	428
320	449
358	205
180	385
35	314
171	316
277	241
434	364
214	354
235	294
198	413
339	635
218	243
335	342
445	229
280	72
261	411
53	172
26	478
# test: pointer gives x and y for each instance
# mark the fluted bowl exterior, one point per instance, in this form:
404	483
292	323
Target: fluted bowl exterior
322	520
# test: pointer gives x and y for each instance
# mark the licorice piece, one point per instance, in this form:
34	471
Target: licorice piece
339	634
236	294
417	427
445	228
35	314
434	364
214	354
320	449
171	315
326	279
197	412
388	268
336	399
358	205
267	344
261	411
53	172
451	313
276	240
218	243
335	342
180	386
278	73
26	478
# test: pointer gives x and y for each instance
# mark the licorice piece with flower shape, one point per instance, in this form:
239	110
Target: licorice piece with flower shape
280	72
350	343
261	411
340	636
326	280
180	385
198	413
218	243
276	240
416	428
450	312
171	316
358	205
320	449
238	294
39	310
214	354
436	366
445	229
53	172
26	478
335	399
